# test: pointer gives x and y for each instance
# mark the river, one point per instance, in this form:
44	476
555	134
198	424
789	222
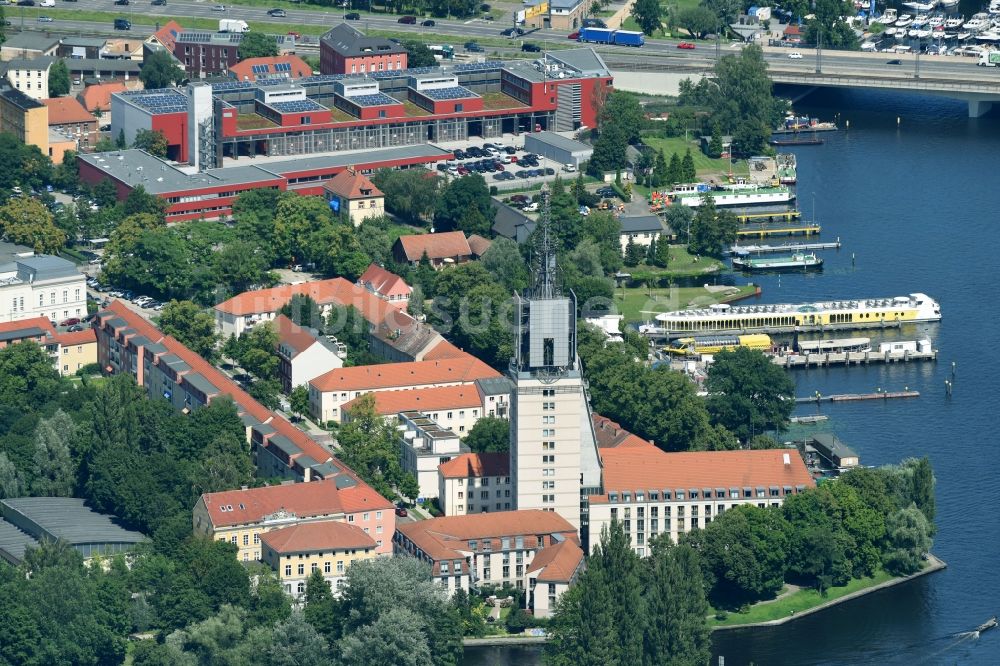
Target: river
916	207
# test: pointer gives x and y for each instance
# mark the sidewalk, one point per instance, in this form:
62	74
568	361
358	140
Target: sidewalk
616	19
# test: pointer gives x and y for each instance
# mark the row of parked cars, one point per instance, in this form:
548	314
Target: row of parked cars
146	302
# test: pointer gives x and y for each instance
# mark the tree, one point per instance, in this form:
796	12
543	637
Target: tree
712	230
661	255
55	472
297	221
294	642
418	55
321	609
298	400
152	141
303	310
918	486
688	172
26	221
748	394
661	172
489	435
715	143
461	197
699	21
678	219
191	325
257	45
58	79
139	201
503	261
828	28
410	194
369	445
909	539
11	483
675	174
27	377
633	253
648	14
160	70
395	638
727	11
675	600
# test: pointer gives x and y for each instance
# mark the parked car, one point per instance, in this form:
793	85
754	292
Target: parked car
606	192
401	511
569	168
277	13
353	16
895	62
549	171
473	47
795	55
25	3
686	46
70	321
511	32
573	35
531	208
155	3
528	47
428	23
407	20
520	199
74	328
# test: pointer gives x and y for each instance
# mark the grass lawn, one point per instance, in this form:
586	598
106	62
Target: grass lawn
246	121
682	264
499	100
413	111
766	611
703	164
641	304
397	230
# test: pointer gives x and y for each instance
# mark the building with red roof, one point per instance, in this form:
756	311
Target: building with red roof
331	547
654	492
386	285
243	516
287	67
69	351
553	570
493	549
352	194
329	392
463	480
447	248
304	353
96	98
71	118
457	408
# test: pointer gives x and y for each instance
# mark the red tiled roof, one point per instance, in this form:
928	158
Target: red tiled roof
24	324
479	245
293	335
243	70
67	111
352	185
415	373
86	336
305	500
422	400
476	465
558	563
610	434
324	536
167	35
647	467
98	96
437	246
446	538
362	497
336	291
443	349
384	282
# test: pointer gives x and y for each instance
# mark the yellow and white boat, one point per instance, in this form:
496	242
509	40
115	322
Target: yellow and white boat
713	344
867	313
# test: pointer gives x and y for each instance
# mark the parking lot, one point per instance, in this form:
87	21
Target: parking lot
502	162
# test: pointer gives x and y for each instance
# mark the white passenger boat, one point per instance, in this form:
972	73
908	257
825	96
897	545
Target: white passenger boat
918	6
904	21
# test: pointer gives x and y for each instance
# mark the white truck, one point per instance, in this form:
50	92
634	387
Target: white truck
989	59
233	25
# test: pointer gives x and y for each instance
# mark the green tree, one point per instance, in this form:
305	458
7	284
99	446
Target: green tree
153	142
748	394
828	28
679	219
160	70
27	377
699	21
418	55
303	310
918	486
58	79
298	400
395	638
604	230
410	194
661	257
648	14
715	143
11	482
504	263
727	11
661	172
55	471
909	539
687	167
191	325
321	610
257	45
633	253
297	221
675	600
489	435
712	230
26	221
369	445
139	201
675	173
461	197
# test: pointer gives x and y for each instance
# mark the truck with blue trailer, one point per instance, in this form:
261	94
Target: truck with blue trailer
609	36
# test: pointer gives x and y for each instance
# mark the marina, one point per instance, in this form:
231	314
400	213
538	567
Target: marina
787	247
798	261
894	352
786	215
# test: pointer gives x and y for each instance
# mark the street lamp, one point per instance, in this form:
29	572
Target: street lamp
819	50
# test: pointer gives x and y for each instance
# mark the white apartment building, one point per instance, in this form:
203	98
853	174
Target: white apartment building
41	286
475	483
425	445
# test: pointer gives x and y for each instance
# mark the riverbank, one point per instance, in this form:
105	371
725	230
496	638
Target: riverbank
642	304
805	602
490	641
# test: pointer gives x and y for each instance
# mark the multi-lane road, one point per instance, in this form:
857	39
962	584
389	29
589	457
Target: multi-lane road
658	54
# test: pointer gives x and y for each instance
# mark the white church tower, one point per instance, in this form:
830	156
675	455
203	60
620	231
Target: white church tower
553	452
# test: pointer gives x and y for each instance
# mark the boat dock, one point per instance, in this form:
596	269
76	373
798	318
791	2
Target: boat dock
792	228
788	247
857	397
656	333
851	358
769	216
820	127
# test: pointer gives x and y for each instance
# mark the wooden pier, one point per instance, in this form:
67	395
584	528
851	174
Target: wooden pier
769	216
855	397
787	247
760	230
850	358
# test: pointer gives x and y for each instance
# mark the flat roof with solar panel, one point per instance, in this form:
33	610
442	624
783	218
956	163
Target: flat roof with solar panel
157	101
379	99
297	106
443	94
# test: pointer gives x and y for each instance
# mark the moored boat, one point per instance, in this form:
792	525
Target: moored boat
691	195
797	261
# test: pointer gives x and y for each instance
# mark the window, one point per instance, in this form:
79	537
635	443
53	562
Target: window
288	569
246	539
76	295
365	517
326	567
444	568
314	567
461	495
340	566
302	569
65	296
378	515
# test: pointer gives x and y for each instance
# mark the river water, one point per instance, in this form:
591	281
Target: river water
916	207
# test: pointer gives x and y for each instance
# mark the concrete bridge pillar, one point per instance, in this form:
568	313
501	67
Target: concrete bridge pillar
979	107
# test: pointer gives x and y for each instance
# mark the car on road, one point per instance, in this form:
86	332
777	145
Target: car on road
569	168
407	20
687	46
45	19
795	55
487	17
573	35
25	3
219	8
512	32
123	3
353	16
594	23
528	47
401	511
895	62
429	23
277	13
156	3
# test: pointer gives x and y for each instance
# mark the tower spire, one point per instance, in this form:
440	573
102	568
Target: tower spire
545	276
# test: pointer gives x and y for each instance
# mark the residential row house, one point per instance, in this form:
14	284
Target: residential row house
69	351
475	483
304	354
535	551
652	492
243	516
386	285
